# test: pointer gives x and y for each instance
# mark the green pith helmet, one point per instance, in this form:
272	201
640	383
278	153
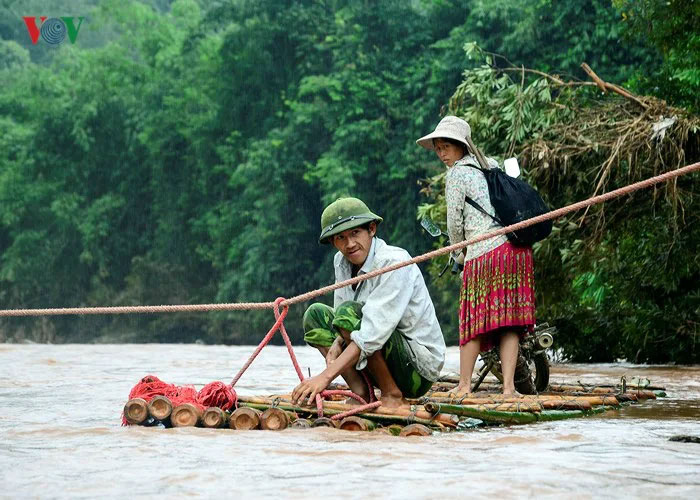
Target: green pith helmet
342	214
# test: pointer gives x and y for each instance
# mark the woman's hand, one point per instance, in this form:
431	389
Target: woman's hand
309	388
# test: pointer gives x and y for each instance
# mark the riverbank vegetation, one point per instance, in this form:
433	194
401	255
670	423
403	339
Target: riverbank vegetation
182	153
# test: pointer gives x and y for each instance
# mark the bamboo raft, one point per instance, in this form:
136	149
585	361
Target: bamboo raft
437	411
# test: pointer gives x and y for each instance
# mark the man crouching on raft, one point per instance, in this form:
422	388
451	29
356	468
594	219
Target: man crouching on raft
386	323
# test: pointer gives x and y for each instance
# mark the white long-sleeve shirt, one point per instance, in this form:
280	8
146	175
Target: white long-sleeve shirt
397	300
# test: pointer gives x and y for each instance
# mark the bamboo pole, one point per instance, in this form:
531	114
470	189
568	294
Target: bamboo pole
445	420
383	430
274	419
446	397
245	419
160	408
392	430
214	417
580	388
354	423
642	393
406	414
395	429
550	415
491	416
487	404
416	430
564	404
510	404
185	415
301	423
325	422
454	379
136	411
634	387
599	400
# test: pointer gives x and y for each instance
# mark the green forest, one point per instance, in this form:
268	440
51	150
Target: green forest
181	152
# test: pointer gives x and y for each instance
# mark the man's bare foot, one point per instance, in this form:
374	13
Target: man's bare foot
512	394
461	390
391	401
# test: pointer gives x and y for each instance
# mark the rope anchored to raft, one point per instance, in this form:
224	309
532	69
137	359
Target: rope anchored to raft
222	396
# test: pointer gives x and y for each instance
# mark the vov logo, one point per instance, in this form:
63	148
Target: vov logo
53	30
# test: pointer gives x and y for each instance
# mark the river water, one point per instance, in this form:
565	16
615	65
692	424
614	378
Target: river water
60	436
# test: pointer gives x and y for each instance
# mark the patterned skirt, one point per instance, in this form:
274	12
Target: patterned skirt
498	294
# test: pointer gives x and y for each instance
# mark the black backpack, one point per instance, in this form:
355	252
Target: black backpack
514	201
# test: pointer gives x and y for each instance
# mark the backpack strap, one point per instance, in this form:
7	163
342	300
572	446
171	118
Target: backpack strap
476	205
481	209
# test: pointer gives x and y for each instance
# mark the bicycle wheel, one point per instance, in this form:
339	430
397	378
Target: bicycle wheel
541	366
524	379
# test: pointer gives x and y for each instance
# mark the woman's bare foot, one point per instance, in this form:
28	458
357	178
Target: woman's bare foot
461	390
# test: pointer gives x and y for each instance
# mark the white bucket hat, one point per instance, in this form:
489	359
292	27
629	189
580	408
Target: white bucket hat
449	127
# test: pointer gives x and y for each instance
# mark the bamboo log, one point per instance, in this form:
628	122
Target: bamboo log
160	408
383	430
301	423
354	423
556	401
324	422
454	381
631	386
393	429
550	415
185	415
563	404
416	430
244	419
579	388
522	404
274	419
406	414
136	411
214	417
517	404
491	416
445	420
642	393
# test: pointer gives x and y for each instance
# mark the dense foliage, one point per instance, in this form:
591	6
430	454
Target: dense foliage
182	152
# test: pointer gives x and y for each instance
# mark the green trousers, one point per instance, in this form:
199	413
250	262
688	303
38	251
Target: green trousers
321	327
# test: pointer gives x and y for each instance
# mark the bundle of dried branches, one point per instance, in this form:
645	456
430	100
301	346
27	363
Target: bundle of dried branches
614	140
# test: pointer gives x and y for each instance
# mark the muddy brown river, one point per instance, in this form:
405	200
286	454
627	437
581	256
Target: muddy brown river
60	437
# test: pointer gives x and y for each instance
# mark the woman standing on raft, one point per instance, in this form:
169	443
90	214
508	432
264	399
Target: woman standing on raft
497	298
